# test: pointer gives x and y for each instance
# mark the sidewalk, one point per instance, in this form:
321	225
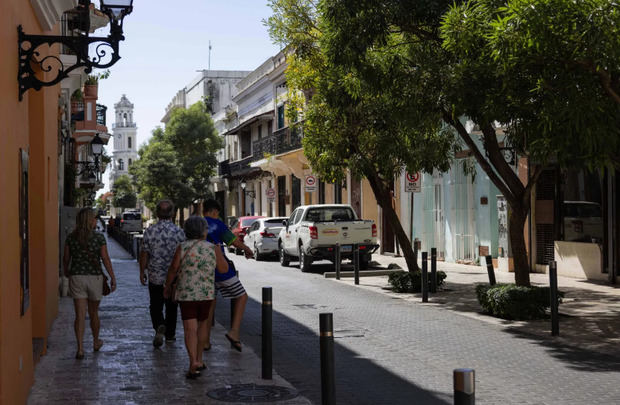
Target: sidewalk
589	313
129	370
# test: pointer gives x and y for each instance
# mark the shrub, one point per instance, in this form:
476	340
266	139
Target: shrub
411	281
509	301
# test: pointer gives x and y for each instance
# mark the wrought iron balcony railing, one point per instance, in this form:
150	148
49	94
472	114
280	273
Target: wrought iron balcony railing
281	141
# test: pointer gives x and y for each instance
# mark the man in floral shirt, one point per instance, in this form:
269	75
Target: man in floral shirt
158	246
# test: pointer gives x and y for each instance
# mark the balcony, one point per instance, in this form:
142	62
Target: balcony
281	141
124	125
223	169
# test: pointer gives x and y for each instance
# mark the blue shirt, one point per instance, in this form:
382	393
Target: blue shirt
219	234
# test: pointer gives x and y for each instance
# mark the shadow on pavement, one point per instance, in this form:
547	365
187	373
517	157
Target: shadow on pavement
296	357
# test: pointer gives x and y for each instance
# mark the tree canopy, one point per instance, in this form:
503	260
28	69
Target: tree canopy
124	195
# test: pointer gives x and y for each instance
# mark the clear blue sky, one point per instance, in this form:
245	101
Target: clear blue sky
166	42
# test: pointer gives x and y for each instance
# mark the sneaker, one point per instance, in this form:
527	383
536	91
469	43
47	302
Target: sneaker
159	336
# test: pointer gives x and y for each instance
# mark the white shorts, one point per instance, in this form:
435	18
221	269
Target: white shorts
86	286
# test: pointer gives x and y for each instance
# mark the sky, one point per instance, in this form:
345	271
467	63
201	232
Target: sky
166	42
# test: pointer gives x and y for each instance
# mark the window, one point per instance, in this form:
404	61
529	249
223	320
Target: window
269	128
337	193
24	270
260	132
281	116
121	164
297	218
129	163
129	144
291	219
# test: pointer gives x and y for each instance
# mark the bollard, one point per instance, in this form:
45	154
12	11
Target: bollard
424	276
464	386
433	270
328	376
490	270
356	263
337	260
267	335
553	291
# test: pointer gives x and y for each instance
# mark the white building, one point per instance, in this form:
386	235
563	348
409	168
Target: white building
125	139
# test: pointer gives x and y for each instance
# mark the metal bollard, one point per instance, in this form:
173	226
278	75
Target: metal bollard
328	375
464	386
356	263
337	260
490	270
267	334
424	276
433	270
553	291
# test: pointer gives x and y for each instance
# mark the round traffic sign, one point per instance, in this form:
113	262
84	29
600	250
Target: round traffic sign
413	177
271	193
310	180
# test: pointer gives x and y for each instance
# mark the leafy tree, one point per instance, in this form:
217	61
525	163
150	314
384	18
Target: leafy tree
445	60
124	195
347	125
100	203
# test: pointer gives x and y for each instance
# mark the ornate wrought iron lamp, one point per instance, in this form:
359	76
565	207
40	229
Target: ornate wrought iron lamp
249	193
92	168
32	63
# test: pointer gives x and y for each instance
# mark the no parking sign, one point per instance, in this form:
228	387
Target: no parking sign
310	183
413	182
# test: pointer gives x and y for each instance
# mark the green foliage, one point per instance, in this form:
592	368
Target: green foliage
178	162
509	301
411	281
95	77
124	195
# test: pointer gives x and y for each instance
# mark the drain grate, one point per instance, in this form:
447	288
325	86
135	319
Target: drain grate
248	393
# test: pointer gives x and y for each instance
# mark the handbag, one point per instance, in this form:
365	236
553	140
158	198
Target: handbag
106	287
173	286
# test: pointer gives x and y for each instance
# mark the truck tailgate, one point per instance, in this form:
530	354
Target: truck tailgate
344	233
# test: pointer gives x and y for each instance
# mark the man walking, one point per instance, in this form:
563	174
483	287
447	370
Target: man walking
227	284
158	246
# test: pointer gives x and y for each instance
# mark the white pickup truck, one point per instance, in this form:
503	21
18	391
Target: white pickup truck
312	232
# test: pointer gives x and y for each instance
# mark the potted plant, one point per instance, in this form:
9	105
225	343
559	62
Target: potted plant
92	82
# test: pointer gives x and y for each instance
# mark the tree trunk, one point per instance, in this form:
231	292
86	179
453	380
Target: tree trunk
516	222
181	217
384	198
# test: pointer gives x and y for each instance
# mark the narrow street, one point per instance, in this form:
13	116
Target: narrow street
391	351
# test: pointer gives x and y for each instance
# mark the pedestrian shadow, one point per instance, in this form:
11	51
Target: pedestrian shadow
296	357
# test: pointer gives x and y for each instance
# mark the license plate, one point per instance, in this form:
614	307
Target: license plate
346	248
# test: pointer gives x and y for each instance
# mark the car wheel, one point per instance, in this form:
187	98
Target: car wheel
305	261
284	258
256	254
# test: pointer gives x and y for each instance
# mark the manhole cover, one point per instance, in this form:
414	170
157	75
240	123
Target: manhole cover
252	393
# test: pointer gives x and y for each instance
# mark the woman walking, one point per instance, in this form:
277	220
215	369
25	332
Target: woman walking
194	264
84	251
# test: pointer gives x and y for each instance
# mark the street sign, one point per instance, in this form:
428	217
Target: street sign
271	194
310	183
413	182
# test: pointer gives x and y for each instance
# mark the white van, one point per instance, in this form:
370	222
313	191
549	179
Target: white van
131	221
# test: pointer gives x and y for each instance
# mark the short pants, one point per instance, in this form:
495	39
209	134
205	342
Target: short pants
195	309
231	288
86	286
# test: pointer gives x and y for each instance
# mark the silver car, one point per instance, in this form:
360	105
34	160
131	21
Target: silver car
262	237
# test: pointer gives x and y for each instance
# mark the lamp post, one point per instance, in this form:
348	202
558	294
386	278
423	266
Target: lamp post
32	66
92	167
249	193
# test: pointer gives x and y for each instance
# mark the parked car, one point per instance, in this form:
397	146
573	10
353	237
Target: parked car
131	221
262	237
583	222
240	228
312	232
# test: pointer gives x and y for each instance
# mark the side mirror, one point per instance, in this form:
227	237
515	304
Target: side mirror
285	222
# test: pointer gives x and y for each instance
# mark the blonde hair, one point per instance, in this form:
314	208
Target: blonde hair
84	225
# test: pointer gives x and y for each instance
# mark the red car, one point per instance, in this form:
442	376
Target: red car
240	229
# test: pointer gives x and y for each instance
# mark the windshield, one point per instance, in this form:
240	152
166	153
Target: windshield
274	221
131	215
248	222
324	214
581	210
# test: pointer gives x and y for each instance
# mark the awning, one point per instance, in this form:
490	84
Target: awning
293	162
261	117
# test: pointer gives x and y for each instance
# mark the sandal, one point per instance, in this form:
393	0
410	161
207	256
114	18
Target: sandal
192	375
97	345
79	355
207	348
234	344
201	367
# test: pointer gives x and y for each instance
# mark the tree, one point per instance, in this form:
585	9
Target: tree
124	195
100	203
443	60
178	162
347	125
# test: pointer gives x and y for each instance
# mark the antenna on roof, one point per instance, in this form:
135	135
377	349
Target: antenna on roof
209	54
